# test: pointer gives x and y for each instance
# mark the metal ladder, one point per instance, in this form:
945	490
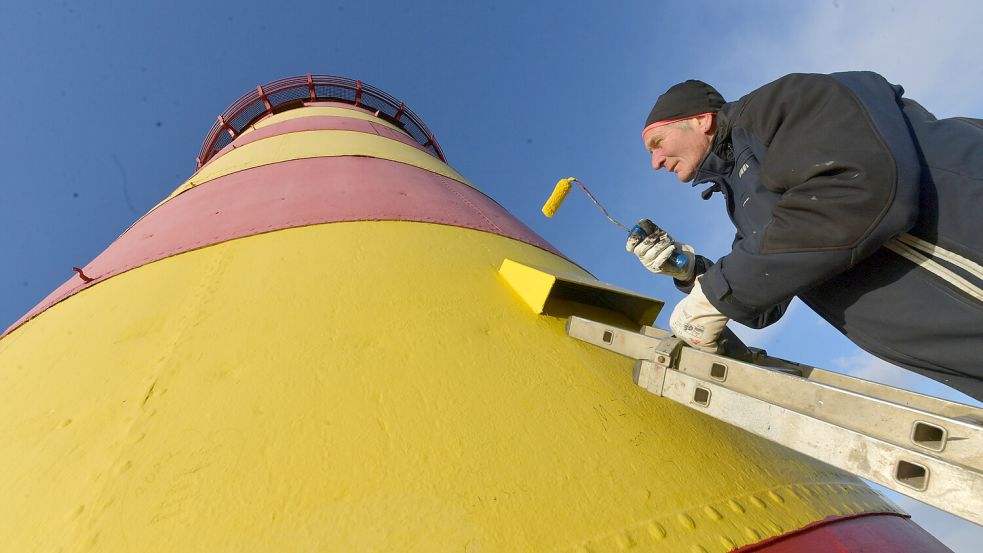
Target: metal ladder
924	447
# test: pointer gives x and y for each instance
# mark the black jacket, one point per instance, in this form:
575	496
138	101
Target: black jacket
822	174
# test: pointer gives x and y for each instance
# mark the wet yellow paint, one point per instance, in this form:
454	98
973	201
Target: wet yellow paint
308	390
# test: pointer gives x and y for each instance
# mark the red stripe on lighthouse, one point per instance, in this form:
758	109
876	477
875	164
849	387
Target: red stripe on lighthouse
291	194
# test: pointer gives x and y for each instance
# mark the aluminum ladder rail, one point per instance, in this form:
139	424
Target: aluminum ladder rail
924	447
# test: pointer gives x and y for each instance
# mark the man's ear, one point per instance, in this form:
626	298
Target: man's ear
706	123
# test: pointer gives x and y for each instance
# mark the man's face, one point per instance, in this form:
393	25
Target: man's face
678	148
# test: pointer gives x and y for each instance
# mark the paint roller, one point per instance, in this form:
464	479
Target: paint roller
559	194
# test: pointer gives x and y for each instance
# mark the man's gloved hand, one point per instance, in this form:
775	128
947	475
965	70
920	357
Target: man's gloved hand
655	247
697	322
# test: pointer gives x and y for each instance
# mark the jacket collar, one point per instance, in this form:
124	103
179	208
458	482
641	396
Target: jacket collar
719	160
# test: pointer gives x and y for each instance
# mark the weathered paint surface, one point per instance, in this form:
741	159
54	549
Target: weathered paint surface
363	386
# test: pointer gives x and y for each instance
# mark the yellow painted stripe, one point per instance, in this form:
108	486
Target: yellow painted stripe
320	143
323	110
296	373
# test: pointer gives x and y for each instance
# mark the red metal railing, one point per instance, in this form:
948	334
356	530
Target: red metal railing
295	92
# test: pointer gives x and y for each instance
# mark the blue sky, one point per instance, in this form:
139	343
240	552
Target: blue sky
105	105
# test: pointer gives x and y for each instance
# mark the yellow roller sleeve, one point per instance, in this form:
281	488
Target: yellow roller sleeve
556	198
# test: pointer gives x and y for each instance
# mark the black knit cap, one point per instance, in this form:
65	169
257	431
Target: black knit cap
686	99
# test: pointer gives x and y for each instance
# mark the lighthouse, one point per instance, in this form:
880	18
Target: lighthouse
327	339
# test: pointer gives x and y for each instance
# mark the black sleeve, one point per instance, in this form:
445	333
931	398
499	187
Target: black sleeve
841	161
762	320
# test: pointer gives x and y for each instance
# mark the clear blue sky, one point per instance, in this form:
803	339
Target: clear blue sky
105	105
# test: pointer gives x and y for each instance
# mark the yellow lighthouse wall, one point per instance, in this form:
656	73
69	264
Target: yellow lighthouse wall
364	386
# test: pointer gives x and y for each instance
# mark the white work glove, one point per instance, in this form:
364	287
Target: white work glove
697	322
653	247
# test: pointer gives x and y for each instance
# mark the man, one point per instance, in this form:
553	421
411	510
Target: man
844	194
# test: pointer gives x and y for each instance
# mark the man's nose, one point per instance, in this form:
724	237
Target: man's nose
658	160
